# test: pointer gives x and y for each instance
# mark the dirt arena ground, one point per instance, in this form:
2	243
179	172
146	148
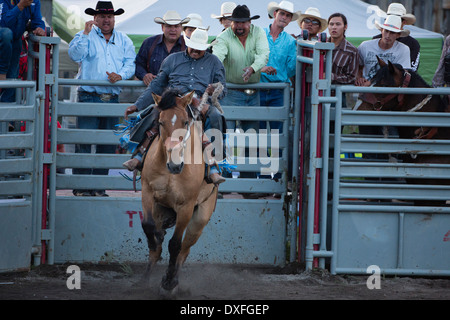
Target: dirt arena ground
214	282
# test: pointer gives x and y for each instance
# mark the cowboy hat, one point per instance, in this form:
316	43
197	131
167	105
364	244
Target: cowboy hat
172	18
313	13
241	14
198	40
399	10
105	7
394	24
195	21
226	9
285	6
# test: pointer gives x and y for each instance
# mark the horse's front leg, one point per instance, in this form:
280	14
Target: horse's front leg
170	280
155	235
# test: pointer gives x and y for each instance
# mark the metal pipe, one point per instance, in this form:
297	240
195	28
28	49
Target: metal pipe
336	180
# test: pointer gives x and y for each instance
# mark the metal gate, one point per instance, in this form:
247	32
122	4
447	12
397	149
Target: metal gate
20	177
92	229
358	212
58	227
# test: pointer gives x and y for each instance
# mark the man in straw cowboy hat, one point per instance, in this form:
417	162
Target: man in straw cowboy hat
386	48
193	69
226	10
398	9
195	21
283	55
103	54
156	48
312	21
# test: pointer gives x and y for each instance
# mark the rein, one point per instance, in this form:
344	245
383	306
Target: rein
379	104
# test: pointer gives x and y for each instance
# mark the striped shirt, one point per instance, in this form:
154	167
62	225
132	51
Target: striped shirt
439	79
345	63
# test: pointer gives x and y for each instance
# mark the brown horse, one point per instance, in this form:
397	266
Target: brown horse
174	191
393	75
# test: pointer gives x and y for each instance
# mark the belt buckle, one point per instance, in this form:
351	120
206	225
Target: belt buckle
105	97
249	92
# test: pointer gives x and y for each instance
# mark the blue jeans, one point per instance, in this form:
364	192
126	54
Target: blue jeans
95	123
272	98
9	61
239	98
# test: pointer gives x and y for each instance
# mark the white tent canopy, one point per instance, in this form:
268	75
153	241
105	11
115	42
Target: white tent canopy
139	14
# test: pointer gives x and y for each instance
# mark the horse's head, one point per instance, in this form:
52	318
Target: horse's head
174	126
390	75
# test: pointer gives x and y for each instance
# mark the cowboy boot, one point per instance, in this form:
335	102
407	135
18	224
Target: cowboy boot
135	163
213	171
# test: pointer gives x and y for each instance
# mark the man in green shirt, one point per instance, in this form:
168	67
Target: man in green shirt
244	50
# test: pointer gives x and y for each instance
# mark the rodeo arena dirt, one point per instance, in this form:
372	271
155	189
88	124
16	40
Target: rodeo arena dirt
213	282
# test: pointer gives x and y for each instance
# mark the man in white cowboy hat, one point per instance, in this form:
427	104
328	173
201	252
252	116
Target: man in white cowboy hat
312	21
226	9
103	53
387	48
194	69
195	21
398	9
156	48
283	55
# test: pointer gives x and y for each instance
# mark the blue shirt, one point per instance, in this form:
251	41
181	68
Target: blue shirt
146	64
11	17
282	57
97	56
182	72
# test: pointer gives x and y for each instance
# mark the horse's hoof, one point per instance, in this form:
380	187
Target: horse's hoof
168	294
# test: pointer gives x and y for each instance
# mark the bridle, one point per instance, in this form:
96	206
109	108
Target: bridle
379	104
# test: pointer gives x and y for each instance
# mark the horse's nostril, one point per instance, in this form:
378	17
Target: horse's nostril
175	168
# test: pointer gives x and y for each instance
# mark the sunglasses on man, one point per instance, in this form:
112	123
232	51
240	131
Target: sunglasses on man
314	22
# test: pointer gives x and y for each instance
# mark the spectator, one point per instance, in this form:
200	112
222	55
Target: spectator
193	69
442	76
244	51
407	19
15	19
103	54
345	55
386	48
226	9
155	49
313	22
282	58
195	22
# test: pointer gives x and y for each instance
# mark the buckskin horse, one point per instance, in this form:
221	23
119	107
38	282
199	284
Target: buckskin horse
393	75
174	192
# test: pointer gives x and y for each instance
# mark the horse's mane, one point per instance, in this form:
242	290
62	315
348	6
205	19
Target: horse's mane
168	98
384	75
